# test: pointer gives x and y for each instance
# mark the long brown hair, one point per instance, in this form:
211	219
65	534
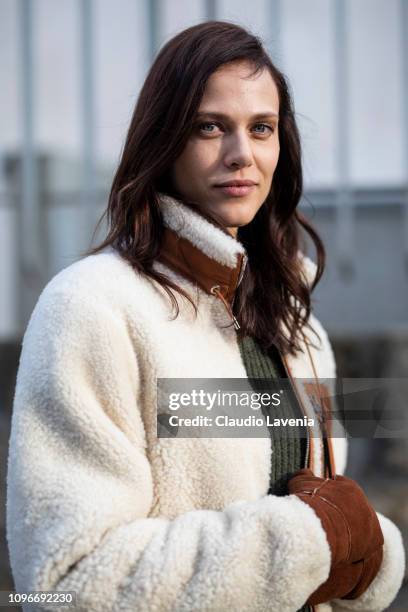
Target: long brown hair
274	293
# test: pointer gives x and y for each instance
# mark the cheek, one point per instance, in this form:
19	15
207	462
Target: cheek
193	167
204	153
202	157
270	161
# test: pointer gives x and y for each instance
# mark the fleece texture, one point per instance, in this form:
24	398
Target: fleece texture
97	504
193	227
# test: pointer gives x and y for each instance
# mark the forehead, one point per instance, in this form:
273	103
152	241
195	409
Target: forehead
233	86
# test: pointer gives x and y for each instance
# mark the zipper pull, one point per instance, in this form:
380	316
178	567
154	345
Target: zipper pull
217	292
236	324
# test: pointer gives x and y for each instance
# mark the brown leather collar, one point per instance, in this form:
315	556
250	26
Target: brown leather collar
183	257
214	278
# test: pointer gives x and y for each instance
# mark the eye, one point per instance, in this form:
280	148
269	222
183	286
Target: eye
265	125
208	127
205	124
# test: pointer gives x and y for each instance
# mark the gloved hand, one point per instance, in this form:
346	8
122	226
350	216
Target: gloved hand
348	581
370	570
351	524
352	529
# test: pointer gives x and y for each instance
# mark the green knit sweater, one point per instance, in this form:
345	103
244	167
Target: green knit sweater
288	443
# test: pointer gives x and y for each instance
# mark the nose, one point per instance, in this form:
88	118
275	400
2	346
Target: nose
238	151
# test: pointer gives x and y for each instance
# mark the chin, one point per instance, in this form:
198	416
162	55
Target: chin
234	212
239	218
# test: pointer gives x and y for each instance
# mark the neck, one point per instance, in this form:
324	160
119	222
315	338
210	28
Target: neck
233	231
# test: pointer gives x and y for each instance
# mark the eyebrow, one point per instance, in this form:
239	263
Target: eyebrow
222	116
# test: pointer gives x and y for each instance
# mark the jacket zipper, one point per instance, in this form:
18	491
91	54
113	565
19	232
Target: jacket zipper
216	290
310	608
244	262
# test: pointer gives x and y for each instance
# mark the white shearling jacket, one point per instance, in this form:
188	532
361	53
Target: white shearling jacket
97	504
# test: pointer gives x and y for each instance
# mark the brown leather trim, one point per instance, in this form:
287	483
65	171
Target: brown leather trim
183	257
327	408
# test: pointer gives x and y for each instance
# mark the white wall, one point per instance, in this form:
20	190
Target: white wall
121	62
305	51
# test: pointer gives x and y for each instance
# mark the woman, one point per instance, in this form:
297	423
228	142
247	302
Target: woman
203	219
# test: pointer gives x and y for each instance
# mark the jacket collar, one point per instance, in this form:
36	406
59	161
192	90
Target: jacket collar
201	252
206	254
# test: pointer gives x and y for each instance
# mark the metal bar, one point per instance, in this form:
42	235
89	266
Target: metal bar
319	198
210	9
345	212
32	261
88	120
378	197
404	51
275	46
153	11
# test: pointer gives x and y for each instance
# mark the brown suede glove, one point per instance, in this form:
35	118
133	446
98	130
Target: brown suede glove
341	581
351	524
370	570
348	581
352	529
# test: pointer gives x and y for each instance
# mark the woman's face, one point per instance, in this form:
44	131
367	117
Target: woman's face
235	138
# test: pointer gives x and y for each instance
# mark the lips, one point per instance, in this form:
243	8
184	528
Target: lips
236	183
235	190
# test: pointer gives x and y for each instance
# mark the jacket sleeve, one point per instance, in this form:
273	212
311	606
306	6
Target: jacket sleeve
80	488
385	586
383	590
387	583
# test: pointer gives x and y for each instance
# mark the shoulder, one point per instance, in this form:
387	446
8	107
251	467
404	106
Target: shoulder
321	347
97	292
94	273
104	279
87	312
